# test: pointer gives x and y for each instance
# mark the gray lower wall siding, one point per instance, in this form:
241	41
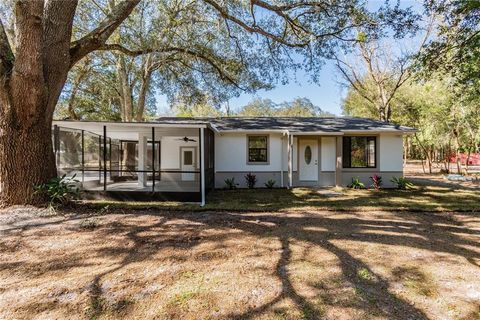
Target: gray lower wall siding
327	179
364	177
262	177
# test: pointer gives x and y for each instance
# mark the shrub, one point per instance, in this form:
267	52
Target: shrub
402	183
376	181
251	180
59	190
230	183
356	184
270	184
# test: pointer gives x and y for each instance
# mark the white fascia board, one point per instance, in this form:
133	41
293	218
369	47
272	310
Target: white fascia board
316	133
253	131
284	132
78	124
378	131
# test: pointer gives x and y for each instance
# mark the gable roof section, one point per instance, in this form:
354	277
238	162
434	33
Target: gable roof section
292	124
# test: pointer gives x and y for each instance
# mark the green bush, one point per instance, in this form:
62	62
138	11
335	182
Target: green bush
59	190
270	184
402	183
230	183
356	184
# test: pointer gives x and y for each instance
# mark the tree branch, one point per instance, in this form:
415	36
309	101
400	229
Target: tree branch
254	29
97	37
356	83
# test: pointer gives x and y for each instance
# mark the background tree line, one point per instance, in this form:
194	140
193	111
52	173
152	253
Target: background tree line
434	88
298	107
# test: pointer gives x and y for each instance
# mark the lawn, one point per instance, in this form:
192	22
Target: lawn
421	198
306	263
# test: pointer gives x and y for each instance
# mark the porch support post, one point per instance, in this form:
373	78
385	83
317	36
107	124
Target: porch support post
153	159
290	160
56	145
338	163
142	159
202	165
104	158
83	158
281	162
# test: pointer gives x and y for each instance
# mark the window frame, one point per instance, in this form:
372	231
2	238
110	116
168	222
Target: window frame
344	154
248	149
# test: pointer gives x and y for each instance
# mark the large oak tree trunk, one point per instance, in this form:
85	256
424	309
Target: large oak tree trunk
27	160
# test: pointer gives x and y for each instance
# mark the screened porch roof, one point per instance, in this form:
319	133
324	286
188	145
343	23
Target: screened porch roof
131	130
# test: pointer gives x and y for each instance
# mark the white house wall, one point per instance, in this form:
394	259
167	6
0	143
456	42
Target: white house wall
327	153
391	152
231	160
231	153
170	152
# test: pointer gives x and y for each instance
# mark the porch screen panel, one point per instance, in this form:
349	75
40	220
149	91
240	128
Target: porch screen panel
209	159
112	163
69	152
92	157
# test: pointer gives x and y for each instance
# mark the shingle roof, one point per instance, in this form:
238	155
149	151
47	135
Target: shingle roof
292	124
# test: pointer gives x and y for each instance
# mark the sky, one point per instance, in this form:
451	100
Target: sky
328	93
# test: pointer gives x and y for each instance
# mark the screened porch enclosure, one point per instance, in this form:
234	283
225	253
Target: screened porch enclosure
136	161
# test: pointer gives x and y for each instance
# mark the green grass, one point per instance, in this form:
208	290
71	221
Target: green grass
422	198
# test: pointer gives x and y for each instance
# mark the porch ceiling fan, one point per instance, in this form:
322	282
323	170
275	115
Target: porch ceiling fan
187	139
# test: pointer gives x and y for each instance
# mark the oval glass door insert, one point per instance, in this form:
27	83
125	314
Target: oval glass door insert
308	154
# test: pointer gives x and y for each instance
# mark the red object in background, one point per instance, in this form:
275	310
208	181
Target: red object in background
473	161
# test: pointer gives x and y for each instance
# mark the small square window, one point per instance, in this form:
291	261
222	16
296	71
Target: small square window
257	149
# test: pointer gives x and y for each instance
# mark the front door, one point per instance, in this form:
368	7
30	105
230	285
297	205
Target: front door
308	159
188	163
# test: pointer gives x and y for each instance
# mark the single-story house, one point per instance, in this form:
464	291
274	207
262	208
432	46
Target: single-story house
184	158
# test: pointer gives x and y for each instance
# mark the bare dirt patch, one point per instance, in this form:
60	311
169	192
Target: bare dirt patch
209	265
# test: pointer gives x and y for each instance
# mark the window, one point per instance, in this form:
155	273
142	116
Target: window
257	149
308	155
359	152
188	158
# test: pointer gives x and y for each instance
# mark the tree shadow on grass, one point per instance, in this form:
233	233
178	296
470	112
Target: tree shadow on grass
419	232
420	199
428	232
376	290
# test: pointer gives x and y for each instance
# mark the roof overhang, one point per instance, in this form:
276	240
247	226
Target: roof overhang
316	133
399	131
79	124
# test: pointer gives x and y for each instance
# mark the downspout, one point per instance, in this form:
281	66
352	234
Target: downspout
290	156
202	166
282	162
